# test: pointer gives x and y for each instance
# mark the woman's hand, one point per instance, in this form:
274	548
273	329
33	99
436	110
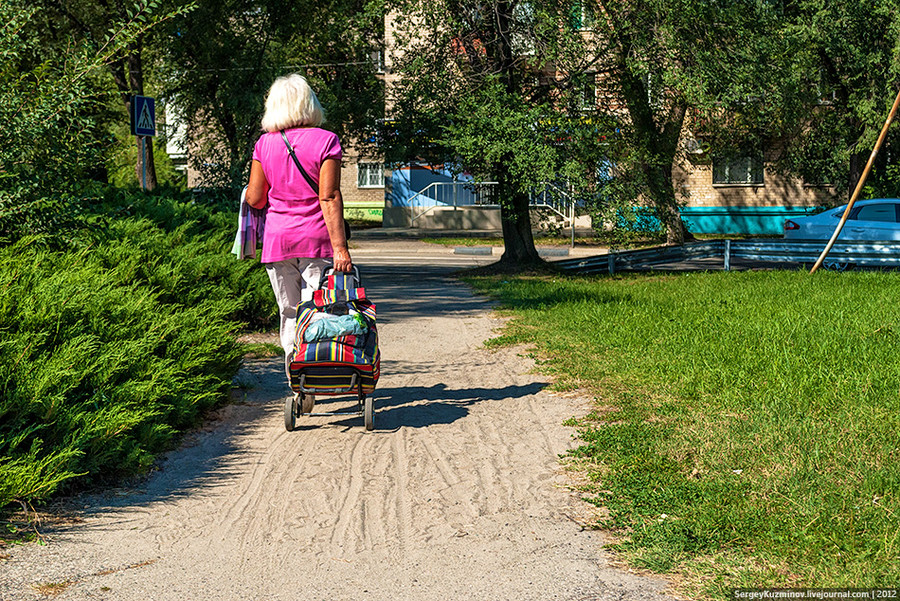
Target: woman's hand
342	262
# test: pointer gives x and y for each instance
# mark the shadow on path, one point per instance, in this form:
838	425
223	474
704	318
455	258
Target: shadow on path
416	292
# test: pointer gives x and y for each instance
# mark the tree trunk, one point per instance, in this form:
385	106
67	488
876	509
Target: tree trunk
128	75
139	162
150	184
662	193
657	130
145	163
518	240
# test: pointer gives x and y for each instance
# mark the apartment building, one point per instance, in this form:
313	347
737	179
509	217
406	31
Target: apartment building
742	195
721	195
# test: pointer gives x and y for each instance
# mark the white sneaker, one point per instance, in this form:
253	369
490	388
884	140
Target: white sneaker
307	402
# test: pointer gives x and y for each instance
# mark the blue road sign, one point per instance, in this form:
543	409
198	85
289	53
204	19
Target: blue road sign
143	116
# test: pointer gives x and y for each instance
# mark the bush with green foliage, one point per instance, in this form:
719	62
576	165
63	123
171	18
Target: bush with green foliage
109	350
118	313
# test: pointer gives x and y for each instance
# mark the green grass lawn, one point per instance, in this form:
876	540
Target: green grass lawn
746	423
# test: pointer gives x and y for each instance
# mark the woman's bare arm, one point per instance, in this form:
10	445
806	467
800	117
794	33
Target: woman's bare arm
258	188
332	204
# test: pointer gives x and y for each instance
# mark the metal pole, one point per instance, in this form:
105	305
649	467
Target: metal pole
455	194
143	163
859	185
572	217
728	255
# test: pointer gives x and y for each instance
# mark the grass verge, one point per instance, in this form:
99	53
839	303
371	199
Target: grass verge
745	432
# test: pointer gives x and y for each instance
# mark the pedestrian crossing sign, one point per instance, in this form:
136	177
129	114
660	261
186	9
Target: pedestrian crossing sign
143	116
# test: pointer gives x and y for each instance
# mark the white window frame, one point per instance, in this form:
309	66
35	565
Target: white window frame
369	175
742	170
377	58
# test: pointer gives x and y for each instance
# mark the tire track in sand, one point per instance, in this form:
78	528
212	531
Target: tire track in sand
351	491
401	491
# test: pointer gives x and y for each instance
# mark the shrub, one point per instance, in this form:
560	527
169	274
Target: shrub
110	350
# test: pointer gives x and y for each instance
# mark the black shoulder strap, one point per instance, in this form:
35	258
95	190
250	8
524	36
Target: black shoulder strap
309	180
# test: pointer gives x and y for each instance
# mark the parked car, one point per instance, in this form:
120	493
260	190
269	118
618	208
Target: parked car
876	219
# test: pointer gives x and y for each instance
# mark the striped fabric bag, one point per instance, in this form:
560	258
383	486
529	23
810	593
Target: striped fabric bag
328	365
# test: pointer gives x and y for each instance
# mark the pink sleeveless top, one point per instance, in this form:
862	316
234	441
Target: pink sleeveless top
295	226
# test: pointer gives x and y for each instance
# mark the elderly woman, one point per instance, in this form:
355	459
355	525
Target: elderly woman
304	232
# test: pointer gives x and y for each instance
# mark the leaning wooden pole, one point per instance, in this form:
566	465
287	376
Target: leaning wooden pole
859	185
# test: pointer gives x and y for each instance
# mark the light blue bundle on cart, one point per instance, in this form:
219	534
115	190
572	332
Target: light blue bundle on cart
333	326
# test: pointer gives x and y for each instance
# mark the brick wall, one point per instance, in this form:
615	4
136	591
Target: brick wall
695	178
350	189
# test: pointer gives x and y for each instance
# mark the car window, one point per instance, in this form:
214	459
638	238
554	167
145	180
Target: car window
877	212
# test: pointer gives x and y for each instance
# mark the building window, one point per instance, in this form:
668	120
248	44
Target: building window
370	175
588	92
377	58
744	170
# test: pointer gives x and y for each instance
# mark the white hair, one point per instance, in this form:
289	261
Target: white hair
291	103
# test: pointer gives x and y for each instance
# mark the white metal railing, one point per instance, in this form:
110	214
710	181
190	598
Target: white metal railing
484	194
559	201
453	194
556	199
864	254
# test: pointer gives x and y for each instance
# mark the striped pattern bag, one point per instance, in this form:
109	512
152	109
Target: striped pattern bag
329	364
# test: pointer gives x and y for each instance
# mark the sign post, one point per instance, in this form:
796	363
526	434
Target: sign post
143	125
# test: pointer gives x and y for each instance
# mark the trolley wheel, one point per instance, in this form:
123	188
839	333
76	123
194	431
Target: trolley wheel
369	412
290	413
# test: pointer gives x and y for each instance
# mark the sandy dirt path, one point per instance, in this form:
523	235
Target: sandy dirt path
456	495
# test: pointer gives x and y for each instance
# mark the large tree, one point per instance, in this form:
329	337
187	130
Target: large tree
846	71
495	88
486	76
90	22
218	62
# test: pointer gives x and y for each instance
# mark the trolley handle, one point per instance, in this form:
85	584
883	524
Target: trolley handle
330	271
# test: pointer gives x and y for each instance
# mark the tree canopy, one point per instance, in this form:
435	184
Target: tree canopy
846	69
90	23
475	94
545	91
480	80
51	137
217	64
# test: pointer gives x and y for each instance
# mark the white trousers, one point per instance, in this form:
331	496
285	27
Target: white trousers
293	281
